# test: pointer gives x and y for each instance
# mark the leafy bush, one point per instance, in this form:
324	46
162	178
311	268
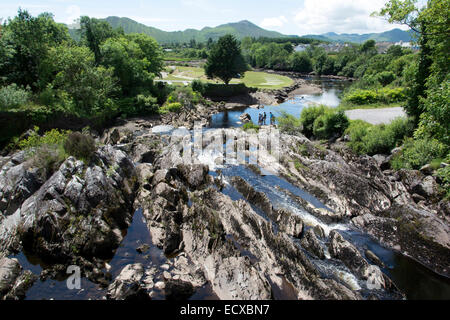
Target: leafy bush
80	146
13	96
400	128
198	86
289	124
443	176
435	121
362	97
186	96
392	95
48	157
170	107
250	126
357	131
331	124
146	104
378	140
385	95
385	78
419	152
309	116
138	106
52	137
369	139
45	151
323	122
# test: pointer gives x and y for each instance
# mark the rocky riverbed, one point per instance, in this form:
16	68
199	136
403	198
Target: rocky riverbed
243	248
231	229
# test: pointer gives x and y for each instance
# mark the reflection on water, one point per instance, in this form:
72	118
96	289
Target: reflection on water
136	235
411	278
329	97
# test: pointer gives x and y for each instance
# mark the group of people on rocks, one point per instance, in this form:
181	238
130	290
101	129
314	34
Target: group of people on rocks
262	119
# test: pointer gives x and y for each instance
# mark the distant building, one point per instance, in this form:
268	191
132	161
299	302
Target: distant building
301	47
382	47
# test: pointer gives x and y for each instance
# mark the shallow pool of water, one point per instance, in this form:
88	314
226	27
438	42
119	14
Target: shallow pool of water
329	97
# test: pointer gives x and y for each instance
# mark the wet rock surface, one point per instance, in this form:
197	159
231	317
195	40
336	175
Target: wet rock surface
128	285
242	249
14	282
394	207
81	209
312	244
229	245
77	216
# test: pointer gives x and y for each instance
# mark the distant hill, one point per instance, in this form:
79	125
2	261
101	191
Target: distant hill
239	29
394	35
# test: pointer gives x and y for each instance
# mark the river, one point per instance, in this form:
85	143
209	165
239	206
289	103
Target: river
329	97
413	279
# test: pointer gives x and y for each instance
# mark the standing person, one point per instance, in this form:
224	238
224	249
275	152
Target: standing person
259	119
264	119
272	119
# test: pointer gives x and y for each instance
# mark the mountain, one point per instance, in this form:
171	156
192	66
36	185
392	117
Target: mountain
239	29
394	35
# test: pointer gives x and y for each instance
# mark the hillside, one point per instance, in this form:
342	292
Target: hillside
239	29
394	35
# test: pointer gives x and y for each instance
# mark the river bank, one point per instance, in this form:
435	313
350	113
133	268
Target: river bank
330	225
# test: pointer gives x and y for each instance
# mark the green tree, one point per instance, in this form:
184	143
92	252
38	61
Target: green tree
324	64
136	60
368	47
151	49
429	92
300	62
225	60
94	32
72	70
25	41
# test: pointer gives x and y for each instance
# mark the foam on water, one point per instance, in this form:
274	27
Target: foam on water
339	272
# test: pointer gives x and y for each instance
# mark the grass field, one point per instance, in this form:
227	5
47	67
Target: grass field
260	80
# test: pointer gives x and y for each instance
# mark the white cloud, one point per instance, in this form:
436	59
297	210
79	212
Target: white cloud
73	13
276	22
341	16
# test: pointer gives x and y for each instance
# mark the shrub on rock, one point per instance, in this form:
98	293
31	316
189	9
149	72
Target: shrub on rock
80	146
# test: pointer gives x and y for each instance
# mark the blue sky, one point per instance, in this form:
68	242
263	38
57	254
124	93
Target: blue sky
287	16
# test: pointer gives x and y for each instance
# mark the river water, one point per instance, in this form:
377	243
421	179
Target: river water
329	97
413	279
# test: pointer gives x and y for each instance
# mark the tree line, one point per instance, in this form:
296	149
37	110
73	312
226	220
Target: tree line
41	67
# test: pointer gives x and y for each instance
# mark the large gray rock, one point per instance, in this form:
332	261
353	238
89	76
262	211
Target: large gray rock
245	118
194	175
411	179
312	244
411	230
81	209
428	187
24	282
129	285
18	181
10	270
178	290
290	223
350	256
